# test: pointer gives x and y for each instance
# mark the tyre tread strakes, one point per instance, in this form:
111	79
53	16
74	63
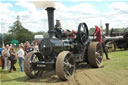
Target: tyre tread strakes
95	54
27	66
65	65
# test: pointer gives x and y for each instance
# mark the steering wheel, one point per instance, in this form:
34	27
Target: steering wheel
125	33
82	33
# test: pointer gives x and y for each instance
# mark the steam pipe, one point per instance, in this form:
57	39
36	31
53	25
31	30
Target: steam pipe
50	12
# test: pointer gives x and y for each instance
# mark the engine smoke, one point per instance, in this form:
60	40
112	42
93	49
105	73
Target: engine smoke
44	3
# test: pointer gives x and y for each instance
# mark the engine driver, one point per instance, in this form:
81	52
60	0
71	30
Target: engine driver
97	33
60	33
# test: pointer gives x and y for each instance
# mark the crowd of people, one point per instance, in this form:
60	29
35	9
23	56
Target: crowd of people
10	56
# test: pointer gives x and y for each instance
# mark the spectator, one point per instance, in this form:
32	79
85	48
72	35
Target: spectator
7	55
36	48
20	54
29	48
14	45
3	58
26	45
10	46
22	44
12	59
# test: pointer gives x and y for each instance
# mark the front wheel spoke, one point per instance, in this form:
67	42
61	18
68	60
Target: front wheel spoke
67	72
37	73
99	57
34	72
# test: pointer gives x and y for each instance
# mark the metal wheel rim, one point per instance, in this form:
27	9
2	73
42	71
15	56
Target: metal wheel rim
98	54
65	65
69	66
95	54
110	46
27	65
35	72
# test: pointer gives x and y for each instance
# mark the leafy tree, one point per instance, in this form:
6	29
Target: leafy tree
16	26
91	31
18	32
8	37
24	35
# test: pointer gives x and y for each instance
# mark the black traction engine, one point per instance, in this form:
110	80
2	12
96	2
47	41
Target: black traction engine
63	54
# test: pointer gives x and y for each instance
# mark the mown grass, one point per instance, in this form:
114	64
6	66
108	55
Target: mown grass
116	68
119	60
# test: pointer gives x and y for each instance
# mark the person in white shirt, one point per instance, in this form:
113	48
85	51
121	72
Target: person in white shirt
20	54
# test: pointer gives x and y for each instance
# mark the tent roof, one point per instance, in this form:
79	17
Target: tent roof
14	41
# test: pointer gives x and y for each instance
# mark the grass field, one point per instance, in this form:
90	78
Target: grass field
115	72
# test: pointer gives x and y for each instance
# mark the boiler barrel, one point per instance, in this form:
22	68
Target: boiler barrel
51	46
116	38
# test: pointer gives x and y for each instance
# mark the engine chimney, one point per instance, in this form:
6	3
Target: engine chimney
51	31
107	29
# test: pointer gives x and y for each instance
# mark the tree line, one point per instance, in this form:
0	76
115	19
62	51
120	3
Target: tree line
20	33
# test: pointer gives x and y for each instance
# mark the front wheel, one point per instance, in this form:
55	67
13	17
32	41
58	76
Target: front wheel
32	56
65	65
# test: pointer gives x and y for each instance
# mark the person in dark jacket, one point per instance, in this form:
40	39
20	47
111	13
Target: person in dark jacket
104	47
13	59
29	48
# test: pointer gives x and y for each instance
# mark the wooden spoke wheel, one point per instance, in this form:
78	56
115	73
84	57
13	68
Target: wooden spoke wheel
110	46
95	54
65	65
32	56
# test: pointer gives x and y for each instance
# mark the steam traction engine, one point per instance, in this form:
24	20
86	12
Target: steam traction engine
63	55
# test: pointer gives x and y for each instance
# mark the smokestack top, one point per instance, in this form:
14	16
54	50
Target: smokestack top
50	11
50	8
107	24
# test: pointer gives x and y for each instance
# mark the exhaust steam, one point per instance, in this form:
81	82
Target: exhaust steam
44	3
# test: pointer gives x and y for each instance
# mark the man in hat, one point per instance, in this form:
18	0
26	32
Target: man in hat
58	29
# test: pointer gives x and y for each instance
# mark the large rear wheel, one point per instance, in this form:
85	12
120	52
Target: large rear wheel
95	54
30	57
65	65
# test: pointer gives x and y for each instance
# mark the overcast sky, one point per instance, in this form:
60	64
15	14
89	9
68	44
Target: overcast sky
70	12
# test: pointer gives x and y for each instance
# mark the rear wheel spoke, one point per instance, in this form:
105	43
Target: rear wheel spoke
99	50
98	61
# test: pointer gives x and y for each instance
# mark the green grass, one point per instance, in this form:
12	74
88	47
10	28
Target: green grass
118	60
116	68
